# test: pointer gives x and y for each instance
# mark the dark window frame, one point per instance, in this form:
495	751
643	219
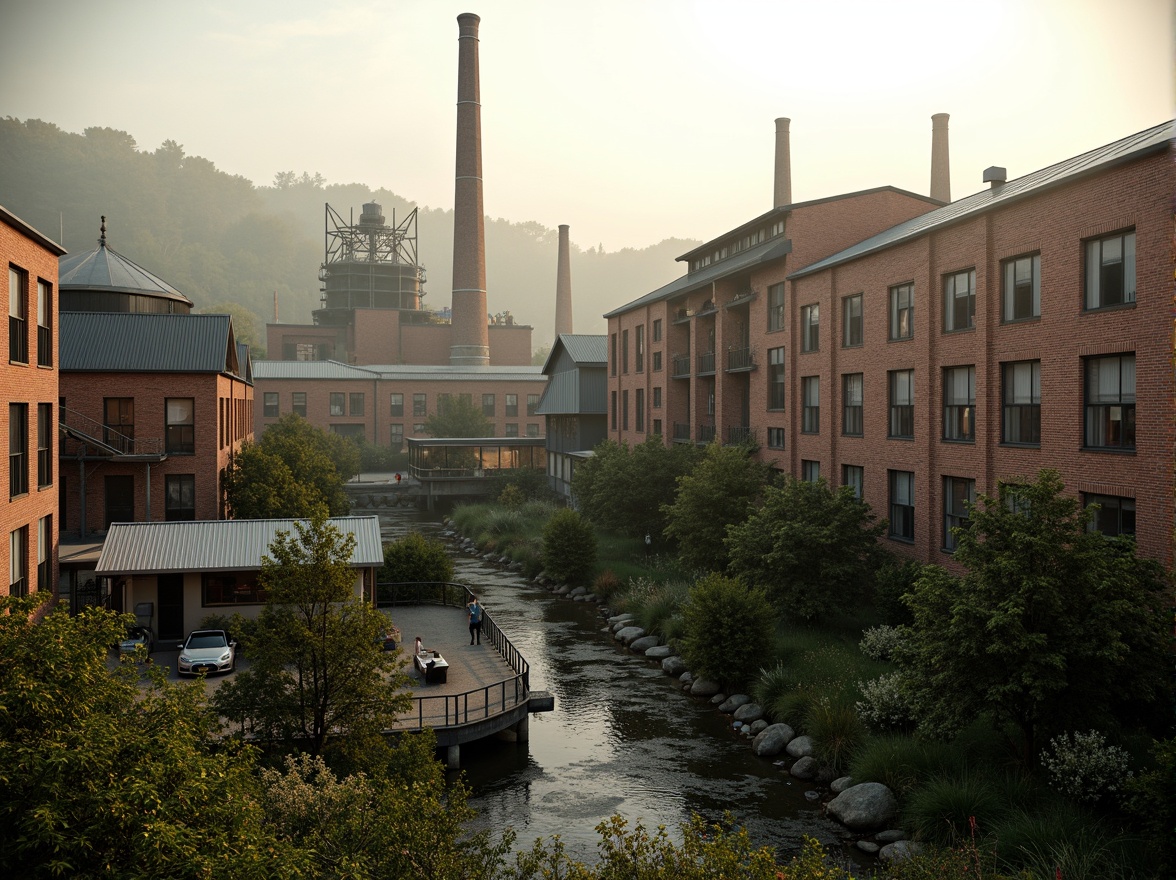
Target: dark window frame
1100	418
775	305
1121	507
810	328
777	387
901	424
853	329
902	312
18	315
18	449
811	409
298	403
336	404
179	497
959	312
902	505
270	404
852	424
1020	406
959	418
956	508
848	472
1099	275
44	323
1020	300
45	432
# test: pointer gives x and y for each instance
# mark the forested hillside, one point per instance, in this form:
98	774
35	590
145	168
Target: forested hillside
226	242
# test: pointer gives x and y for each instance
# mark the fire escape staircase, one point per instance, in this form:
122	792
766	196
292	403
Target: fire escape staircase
113	445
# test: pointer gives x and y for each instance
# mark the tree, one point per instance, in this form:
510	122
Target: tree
729	628
1052	627
718	492
459	418
415	558
259	485
316	669
812	549
569	547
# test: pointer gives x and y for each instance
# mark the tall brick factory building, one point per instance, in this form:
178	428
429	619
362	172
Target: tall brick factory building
938	354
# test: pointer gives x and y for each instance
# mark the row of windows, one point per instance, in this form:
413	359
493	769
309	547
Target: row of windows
179	424
638	349
18	447
355	403
639	413
1110	282
18	557
739	245
18	318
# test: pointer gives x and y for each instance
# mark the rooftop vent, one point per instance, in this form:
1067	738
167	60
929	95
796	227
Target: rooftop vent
995	175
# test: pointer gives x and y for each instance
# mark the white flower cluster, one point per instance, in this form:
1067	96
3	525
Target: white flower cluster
879	642
886	704
1083	766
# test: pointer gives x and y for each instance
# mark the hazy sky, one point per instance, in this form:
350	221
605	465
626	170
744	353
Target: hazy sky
630	120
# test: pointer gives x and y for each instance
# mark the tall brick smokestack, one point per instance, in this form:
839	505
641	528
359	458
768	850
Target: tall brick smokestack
563	285
940	170
471	337
782	194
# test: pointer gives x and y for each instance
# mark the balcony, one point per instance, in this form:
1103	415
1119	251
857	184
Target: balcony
706	364
706	433
681	432
740	359
707	308
740	435
680	366
683	315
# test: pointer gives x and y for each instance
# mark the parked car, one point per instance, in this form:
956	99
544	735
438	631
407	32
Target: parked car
207	650
137	635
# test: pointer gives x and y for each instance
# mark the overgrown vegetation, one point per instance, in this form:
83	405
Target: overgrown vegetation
569	548
415	558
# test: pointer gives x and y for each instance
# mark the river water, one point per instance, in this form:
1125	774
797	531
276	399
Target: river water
623	739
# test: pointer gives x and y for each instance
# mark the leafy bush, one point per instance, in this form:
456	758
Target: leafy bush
1083	767
886	704
729	629
661	605
772	684
792	707
569	547
607	585
893	579
511	496
415	558
879	642
901	762
943	809
837	732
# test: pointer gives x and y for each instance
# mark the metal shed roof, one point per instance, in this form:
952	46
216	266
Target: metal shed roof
146	343
217	545
337	370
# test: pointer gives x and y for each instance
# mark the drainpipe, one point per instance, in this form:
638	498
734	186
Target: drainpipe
82	485
148	491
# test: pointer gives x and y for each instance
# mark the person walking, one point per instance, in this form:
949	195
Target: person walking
475	610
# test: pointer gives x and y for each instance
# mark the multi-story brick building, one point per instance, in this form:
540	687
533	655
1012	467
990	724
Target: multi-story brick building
29	525
1020	328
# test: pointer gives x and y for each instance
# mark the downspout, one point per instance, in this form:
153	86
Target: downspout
82	485
148	491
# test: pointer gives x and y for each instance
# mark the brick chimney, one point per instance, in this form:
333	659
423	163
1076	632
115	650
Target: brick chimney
782	194
940	169
471	337
563	285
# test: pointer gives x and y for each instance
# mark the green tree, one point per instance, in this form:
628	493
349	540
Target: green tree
316	669
569	547
415	558
1052	627
459	417
812	549
260	485
245	323
729	630
718	492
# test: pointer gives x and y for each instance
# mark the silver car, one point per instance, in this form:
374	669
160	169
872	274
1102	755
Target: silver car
207	650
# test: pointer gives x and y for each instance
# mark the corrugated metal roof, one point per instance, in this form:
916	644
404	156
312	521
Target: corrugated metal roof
1128	149
105	269
144	343
244	363
561	397
263	370
581	349
764	253
217	545
309	370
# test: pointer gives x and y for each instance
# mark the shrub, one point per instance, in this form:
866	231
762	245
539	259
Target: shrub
879	642
415	558
900	762
511	496
896	577
837	733
661	605
607	585
886	704
792	707
729	629
569	547
1083	767
772	684
943	809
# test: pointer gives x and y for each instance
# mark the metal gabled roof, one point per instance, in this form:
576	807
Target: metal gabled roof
244	363
337	370
309	370
1128	149
120	342
105	269
217	545
582	348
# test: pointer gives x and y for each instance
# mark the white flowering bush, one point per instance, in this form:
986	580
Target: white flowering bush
1083	766
879	642
886	703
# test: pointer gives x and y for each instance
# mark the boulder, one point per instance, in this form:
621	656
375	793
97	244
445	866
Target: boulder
891	836
899	850
733	702
804	768
864	807
801	747
672	665
749	712
621	618
659	652
772	740
758	725
704	687
867	847
578	591
629	634
840	784
718	698
686	677
643	644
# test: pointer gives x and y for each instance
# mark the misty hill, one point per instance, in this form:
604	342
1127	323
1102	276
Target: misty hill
226	242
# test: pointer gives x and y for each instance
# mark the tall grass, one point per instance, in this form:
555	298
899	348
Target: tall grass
941	810
837	731
902	763
659	606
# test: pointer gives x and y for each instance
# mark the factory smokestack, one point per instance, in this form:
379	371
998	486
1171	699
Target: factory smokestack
783	188
940	170
563	285
471	337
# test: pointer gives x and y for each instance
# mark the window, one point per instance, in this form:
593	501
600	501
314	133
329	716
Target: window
396	436
624	410
657	329
18	562
119	423
851	398
811	392
776	378
419	405
512	429
854	476
1021	413
776	306
512	405
852	333
657	397
355	403
45	432
488	405
902	403
179	497
810	327
532	404
18	315
18	449
810	471
1110	271
657	361
351	431
270	405
902	311
238	588
298	402
418	427
775	438
338	401
532	429
1114	516
959	404
396	404
959	301
640	342
612	364
624	351
902	505
612	422
1110	402
639	411
44	322
1022	289
958	495
657	427
44	552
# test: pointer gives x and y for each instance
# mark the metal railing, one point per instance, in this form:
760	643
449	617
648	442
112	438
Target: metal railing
737	435
680	366
706	433
706	362
105	437
740	359
681	431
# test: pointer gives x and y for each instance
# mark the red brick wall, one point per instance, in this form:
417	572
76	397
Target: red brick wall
510	345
